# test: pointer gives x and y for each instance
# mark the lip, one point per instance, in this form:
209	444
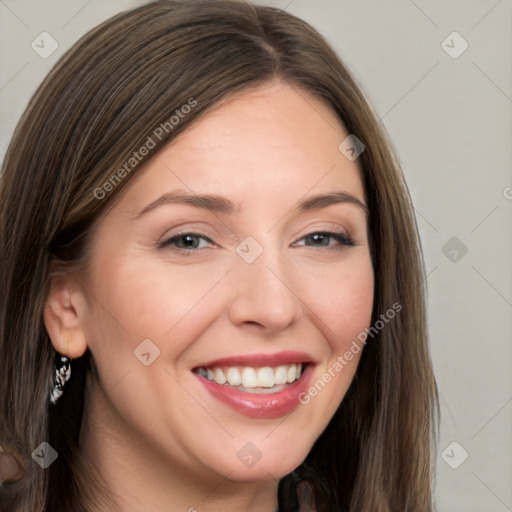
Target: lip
260	360
259	405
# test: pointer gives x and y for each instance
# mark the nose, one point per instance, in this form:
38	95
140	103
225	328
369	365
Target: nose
264	295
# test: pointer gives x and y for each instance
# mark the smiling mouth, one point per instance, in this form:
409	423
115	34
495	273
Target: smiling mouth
265	379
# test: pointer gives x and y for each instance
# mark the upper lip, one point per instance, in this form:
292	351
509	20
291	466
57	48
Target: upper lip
260	360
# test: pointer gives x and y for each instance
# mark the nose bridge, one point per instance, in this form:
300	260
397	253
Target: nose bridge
264	289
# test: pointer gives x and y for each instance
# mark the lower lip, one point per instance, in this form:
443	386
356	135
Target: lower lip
261	405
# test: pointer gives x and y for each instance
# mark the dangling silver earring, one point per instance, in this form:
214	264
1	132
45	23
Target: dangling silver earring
62	375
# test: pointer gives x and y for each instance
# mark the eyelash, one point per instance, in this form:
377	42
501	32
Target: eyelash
342	239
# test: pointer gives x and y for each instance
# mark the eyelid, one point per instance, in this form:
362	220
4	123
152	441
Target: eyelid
317	226
182	227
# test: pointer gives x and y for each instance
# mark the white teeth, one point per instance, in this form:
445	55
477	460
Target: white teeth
281	375
218	376
251	378
234	377
292	372
266	377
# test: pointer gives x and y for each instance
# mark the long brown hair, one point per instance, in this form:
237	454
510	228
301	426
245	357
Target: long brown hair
101	101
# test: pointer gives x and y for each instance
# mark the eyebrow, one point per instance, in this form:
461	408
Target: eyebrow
220	204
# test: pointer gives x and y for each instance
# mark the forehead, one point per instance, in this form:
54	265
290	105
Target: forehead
273	142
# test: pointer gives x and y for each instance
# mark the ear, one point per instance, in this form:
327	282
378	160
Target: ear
64	315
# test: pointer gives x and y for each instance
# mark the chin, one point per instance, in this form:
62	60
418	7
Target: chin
250	464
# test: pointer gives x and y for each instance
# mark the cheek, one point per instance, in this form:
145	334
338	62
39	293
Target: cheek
134	301
140	297
342	300
341	304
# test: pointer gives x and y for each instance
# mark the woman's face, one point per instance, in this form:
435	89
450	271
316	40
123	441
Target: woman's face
215	265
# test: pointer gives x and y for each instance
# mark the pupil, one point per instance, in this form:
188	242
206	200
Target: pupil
188	240
320	238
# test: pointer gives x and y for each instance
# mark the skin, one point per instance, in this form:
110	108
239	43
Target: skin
156	437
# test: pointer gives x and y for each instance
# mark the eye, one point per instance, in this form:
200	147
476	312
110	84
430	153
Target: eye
189	242
185	242
324	239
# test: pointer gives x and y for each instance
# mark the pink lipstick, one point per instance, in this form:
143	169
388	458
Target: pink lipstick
258	385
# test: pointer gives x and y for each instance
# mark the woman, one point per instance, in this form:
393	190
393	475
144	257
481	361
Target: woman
212	291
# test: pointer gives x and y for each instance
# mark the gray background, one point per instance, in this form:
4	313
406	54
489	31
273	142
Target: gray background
450	120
